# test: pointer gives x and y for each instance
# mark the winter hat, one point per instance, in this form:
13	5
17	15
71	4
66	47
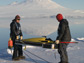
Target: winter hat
59	17
17	17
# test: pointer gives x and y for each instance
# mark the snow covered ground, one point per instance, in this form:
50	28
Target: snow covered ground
75	53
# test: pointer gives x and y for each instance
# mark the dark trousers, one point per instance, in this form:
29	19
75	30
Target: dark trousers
17	49
63	53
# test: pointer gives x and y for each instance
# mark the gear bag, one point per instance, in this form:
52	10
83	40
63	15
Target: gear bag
10	44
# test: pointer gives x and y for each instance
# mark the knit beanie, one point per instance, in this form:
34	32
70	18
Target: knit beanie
17	17
59	17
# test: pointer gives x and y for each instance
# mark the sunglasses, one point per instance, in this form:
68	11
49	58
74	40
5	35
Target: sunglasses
18	19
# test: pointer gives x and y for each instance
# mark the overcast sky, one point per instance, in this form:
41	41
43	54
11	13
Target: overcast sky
73	4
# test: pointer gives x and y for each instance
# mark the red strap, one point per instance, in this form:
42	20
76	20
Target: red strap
68	42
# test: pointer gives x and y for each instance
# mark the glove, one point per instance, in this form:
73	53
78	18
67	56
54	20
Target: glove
9	39
21	37
57	41
17	37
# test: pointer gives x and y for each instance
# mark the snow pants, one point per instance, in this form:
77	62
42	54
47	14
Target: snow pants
62	51
17	49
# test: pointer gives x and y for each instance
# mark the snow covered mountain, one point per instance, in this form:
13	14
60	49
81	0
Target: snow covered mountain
36	8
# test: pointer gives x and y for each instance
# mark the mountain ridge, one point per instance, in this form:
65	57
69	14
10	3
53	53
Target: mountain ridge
37	8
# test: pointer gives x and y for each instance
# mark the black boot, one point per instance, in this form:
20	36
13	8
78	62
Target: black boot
63	62
16	59
21	57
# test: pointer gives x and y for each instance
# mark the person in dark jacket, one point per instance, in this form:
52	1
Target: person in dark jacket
63	36
15	33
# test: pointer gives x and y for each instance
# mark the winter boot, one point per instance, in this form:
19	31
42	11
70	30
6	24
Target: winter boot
63	62
16	59
21	57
